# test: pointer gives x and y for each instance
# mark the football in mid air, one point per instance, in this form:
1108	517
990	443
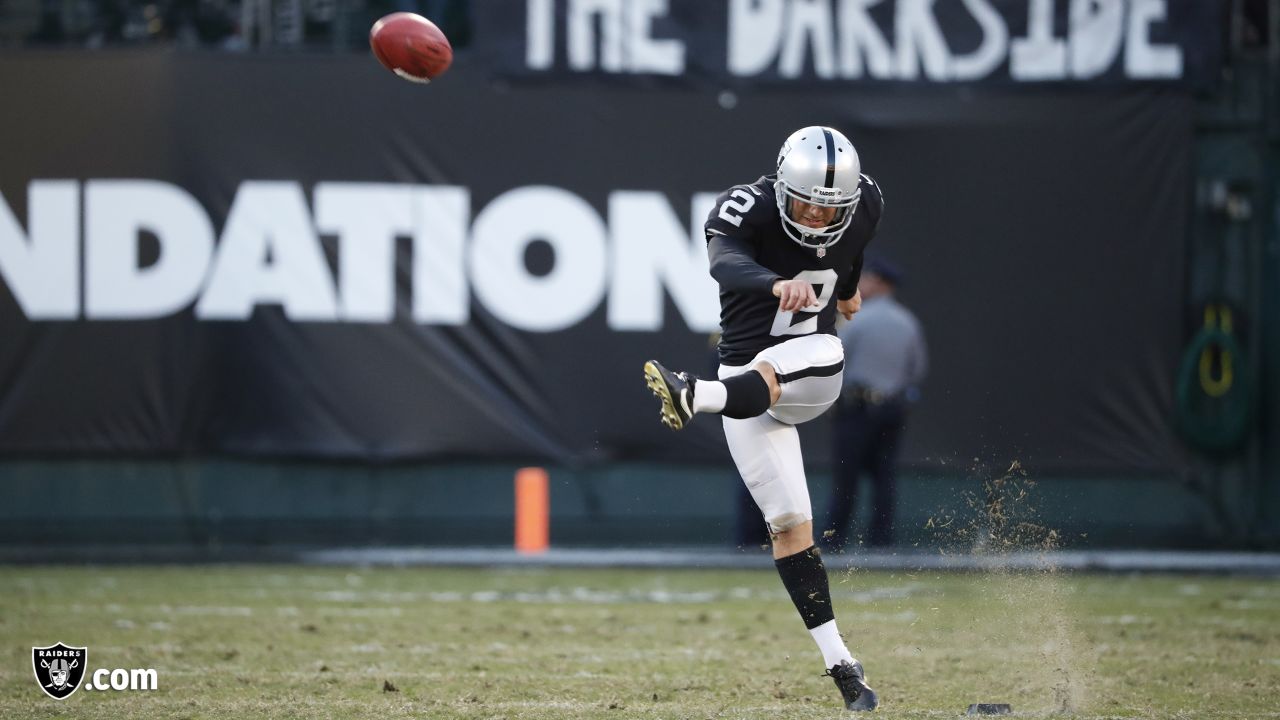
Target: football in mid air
411	46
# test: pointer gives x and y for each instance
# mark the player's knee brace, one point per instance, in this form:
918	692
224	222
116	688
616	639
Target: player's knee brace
746	395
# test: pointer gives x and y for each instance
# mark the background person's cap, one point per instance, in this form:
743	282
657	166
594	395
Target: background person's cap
885	268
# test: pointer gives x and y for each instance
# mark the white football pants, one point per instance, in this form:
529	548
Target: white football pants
766	448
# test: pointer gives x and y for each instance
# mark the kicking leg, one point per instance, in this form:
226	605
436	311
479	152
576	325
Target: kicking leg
742	396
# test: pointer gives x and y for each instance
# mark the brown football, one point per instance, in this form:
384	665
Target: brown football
411	46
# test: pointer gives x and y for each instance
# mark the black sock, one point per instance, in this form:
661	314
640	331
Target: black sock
746	395
805	578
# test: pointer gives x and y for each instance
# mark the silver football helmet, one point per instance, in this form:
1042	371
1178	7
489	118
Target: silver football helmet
818	165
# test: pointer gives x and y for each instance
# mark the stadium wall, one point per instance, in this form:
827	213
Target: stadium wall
235	508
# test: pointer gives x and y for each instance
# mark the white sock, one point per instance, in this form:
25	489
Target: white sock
709	396
831	644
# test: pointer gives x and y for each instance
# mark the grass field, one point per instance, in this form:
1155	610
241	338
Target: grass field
302	642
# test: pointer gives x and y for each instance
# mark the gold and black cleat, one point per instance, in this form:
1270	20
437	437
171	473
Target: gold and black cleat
675	390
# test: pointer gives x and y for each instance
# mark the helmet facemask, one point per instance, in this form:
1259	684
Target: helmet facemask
816	237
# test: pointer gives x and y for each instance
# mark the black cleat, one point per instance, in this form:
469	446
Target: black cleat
675	390
852	682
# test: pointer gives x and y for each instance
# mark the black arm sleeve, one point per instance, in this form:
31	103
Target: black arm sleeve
734	268
873	205
849	287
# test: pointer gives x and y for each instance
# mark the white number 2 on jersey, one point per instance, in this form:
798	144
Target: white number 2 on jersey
731	210
782	322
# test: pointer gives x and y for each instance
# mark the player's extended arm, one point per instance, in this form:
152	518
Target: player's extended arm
849	287
734	267
873	204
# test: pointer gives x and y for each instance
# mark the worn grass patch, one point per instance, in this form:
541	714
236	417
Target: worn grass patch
300	642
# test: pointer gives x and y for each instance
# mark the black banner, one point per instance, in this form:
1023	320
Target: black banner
740	42
305	256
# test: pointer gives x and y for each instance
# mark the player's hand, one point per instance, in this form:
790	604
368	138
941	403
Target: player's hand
794	295
848	307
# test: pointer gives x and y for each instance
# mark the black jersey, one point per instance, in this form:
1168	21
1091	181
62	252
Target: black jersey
749	251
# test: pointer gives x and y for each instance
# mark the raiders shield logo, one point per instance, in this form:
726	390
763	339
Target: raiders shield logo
59	669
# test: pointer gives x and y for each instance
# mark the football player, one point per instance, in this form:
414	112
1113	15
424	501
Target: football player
786	251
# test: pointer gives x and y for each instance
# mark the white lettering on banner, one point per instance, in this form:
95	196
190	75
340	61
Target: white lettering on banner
441	294
270	253
838	39
43	270
368	217
116	286
991	52
1095	31
861	38
1040	55
920	39
502	233
625	40
646	54
583	15
1141	58
754	27
652	250
810	29
1097	28
540	38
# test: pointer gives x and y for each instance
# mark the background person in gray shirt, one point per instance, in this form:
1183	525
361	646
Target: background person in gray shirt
885	361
